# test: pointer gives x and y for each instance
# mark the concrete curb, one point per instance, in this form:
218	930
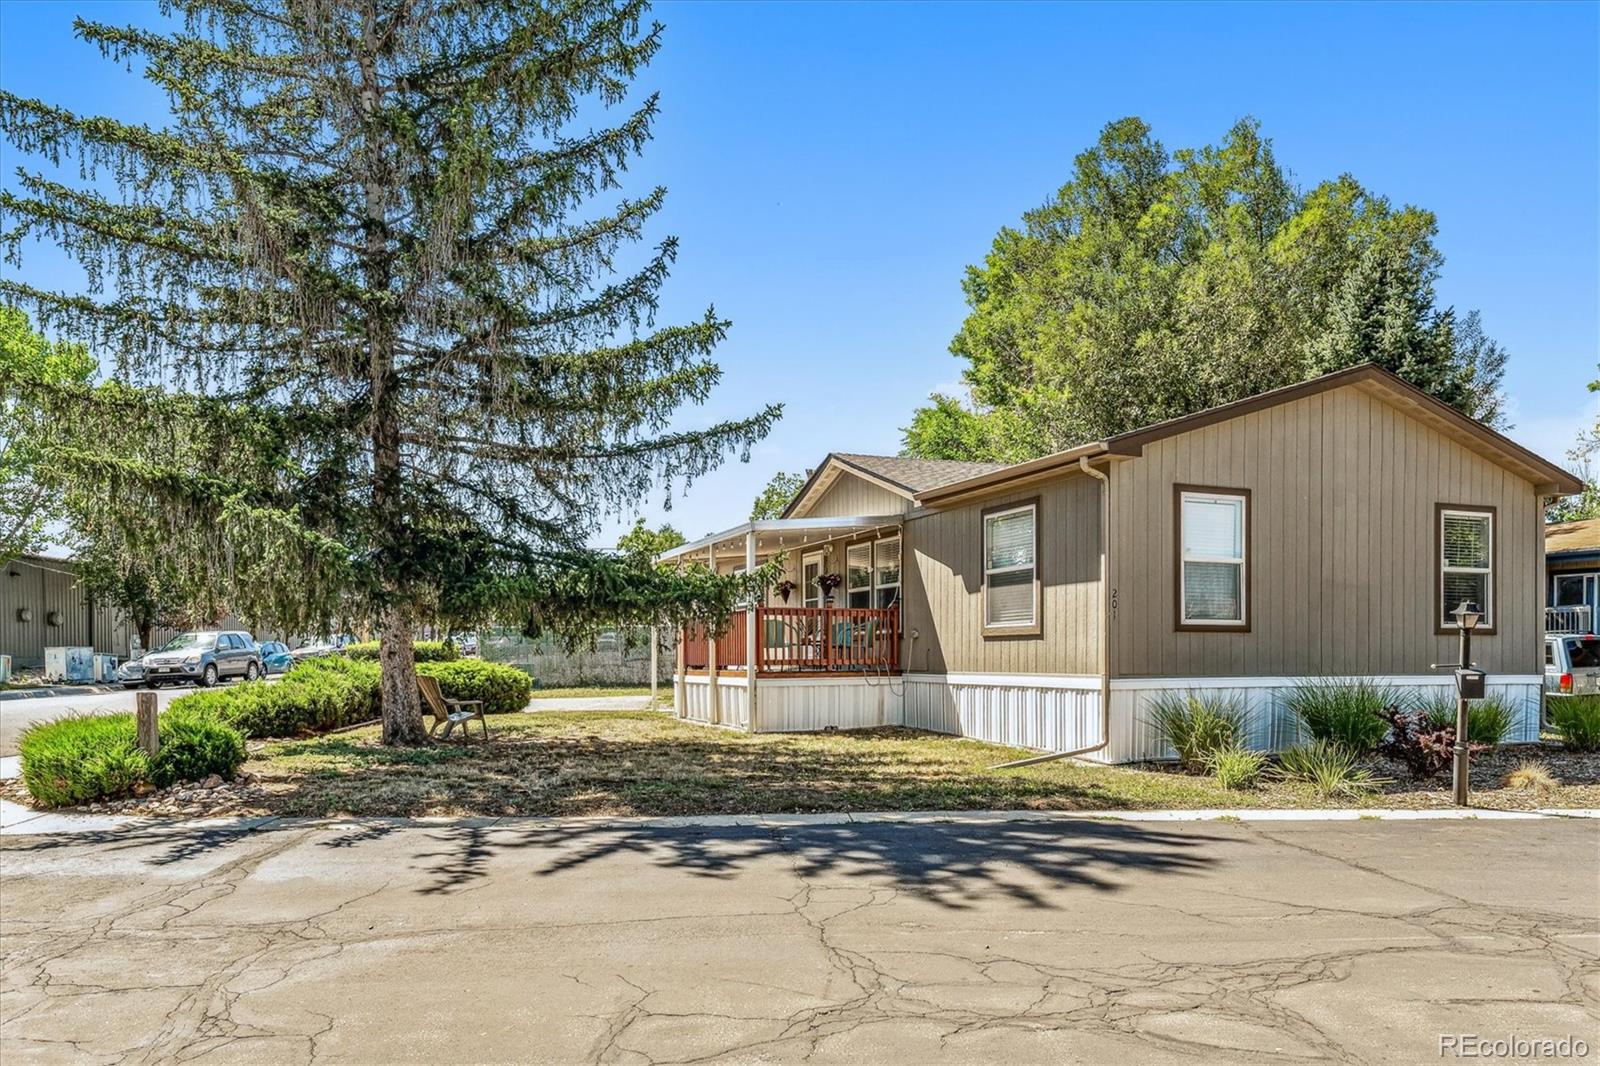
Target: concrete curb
16	820
47	691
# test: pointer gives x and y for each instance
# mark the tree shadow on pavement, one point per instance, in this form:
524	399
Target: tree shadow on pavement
950	864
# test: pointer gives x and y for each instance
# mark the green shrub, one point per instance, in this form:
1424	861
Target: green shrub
1329	767
195	746
503	689
331	691
1348	713
424	651
1576	720
315	695
1488	720
1197	726
82	759
87	759
1236	767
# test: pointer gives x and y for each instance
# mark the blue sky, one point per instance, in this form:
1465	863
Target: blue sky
833	168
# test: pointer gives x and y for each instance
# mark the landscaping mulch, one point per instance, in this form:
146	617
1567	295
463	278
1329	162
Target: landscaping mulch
646	763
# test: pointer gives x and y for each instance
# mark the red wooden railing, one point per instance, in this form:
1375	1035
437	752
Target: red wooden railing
806	640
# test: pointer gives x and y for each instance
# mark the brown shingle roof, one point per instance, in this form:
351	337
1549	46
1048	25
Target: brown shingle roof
1580	536
916	475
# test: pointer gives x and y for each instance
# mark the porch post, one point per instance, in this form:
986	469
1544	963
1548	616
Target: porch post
711	654
655	663
751	641
679	682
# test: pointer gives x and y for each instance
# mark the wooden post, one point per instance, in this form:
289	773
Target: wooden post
149	735
680	682
711	655
752	639
655	663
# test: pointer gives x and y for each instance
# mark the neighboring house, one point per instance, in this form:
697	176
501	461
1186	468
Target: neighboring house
42	605
1319	530
1572	563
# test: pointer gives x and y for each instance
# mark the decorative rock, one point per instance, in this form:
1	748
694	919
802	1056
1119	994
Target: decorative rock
211	782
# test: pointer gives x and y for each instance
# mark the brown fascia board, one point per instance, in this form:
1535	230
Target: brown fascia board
1559	482
1023	473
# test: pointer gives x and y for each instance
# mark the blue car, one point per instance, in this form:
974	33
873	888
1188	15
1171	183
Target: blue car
275	657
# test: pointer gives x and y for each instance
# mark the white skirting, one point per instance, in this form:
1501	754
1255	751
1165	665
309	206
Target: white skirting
1273	725
1042	712
1024	711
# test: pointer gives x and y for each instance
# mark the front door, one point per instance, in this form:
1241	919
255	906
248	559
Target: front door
810	570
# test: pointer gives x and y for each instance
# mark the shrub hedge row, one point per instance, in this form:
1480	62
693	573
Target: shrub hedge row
84	760
332	691
425	651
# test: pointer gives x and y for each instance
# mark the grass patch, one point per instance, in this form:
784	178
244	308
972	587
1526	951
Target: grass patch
598	691
642	763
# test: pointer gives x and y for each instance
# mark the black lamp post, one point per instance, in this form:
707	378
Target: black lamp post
1469	684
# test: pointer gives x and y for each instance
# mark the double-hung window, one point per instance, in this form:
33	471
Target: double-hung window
858	575
1010	570
886	572
1213	571
1465	538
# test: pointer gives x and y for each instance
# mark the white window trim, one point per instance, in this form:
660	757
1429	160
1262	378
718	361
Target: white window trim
1033	567
1242	561
1488	606
805	589
876	586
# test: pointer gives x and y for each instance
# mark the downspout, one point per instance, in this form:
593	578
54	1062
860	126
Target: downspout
1105	628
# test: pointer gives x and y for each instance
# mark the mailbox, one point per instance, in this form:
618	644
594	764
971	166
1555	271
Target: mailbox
1469	684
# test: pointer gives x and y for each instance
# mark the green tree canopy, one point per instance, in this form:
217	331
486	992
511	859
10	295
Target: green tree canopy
1159	283
642	544
390	280
28	503
778	494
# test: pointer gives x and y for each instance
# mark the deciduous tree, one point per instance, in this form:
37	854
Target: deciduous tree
1155	284
776	497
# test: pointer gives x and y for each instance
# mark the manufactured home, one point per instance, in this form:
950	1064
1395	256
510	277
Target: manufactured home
1323	530
1572	564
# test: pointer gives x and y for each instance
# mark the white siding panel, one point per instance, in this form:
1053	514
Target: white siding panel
1047	713
800	705
1272	725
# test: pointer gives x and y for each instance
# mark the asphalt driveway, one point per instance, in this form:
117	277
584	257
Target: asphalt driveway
1071	941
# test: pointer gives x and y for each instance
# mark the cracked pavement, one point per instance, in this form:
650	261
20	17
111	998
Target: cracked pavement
1070	941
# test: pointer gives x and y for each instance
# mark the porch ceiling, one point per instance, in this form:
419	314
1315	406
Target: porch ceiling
774	535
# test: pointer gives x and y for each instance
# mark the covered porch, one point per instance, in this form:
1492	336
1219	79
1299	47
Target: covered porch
837	644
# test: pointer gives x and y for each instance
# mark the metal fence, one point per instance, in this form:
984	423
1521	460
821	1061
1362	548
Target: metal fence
617	657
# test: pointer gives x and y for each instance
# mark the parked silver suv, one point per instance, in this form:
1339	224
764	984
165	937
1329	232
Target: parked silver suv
204	657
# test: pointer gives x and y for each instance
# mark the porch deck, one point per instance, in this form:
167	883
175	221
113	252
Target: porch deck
795	641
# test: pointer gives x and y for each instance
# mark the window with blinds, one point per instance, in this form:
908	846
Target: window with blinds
1009	573
1212	528
1466	563
858	575
886	571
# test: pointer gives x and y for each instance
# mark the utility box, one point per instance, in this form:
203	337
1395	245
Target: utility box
5	669
69	664
105	668
1470	683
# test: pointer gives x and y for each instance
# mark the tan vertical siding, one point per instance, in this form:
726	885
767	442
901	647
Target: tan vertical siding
851	495
943	587
1342	569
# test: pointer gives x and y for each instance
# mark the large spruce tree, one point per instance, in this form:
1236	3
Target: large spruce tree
374	247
